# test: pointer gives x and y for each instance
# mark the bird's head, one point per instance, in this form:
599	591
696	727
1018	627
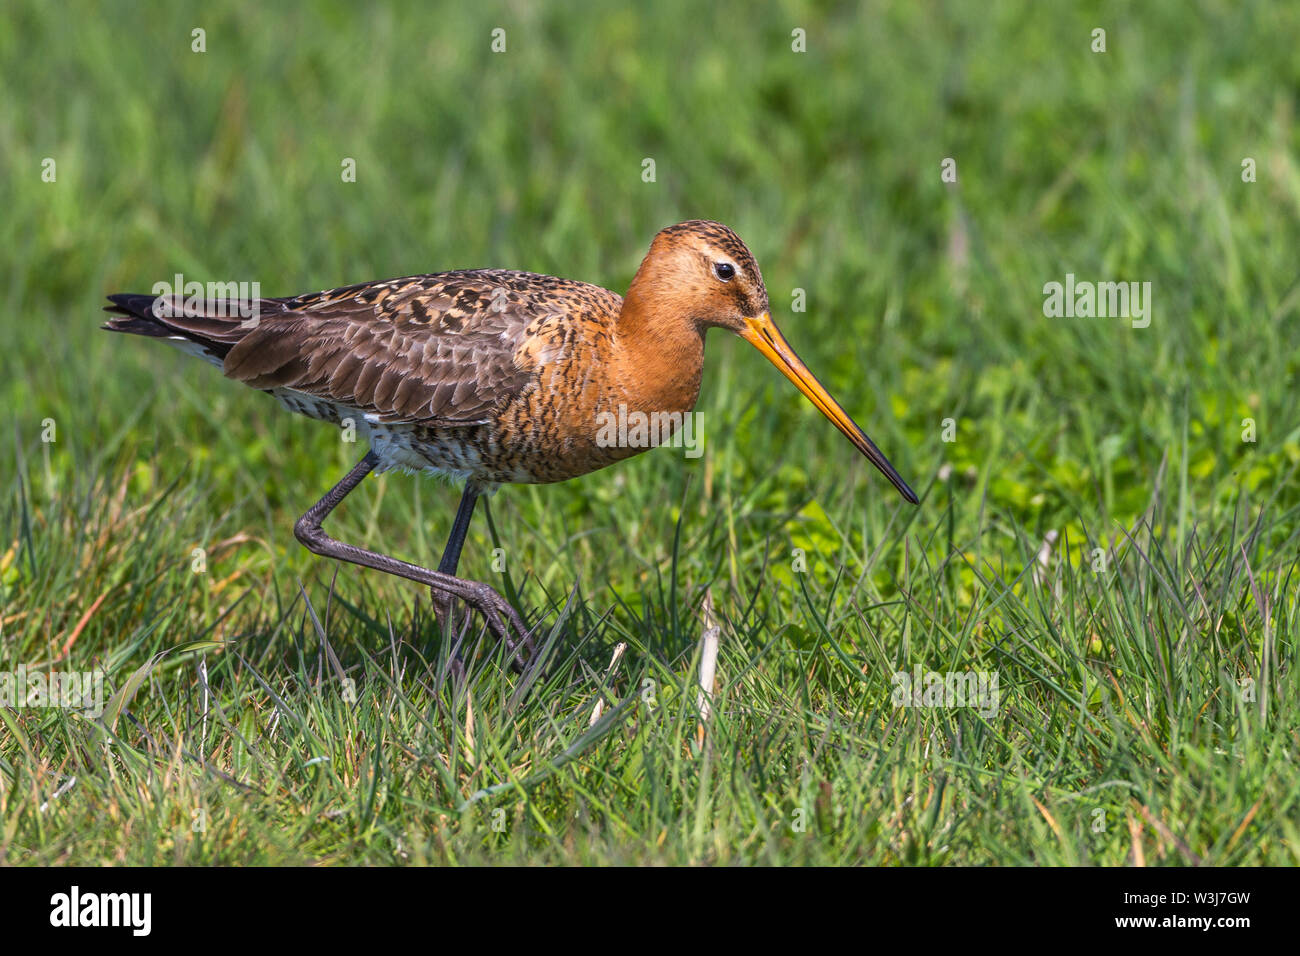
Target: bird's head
712	280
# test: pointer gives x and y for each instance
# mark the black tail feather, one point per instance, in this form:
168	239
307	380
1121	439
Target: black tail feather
217	331
136	315
132	303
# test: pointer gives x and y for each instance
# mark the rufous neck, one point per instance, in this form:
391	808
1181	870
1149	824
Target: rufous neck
660	348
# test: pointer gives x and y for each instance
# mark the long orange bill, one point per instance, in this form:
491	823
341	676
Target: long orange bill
762	333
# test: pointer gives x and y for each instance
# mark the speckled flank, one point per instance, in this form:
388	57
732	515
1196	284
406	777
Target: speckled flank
490	375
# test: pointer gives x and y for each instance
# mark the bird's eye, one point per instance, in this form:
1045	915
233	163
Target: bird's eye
724	271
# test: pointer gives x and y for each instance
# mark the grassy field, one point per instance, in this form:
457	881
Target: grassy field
1110	523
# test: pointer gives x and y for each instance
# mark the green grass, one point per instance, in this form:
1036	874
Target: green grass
1149	711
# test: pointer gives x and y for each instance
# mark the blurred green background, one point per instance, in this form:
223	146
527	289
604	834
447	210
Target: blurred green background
924	303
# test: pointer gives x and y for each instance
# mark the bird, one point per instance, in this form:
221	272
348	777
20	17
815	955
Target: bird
490	376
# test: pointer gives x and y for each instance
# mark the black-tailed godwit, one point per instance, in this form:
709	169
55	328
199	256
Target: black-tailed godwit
490	376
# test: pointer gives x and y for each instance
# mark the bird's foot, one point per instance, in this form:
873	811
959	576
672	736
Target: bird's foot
502	620
444	608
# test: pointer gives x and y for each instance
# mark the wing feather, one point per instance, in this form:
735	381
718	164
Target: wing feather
444	349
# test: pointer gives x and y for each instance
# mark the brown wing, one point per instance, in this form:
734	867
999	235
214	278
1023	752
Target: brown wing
437	349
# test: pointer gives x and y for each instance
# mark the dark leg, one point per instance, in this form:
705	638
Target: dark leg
451	554
498	613
442	602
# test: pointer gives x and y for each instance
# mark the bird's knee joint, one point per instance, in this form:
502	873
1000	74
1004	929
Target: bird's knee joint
309	533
